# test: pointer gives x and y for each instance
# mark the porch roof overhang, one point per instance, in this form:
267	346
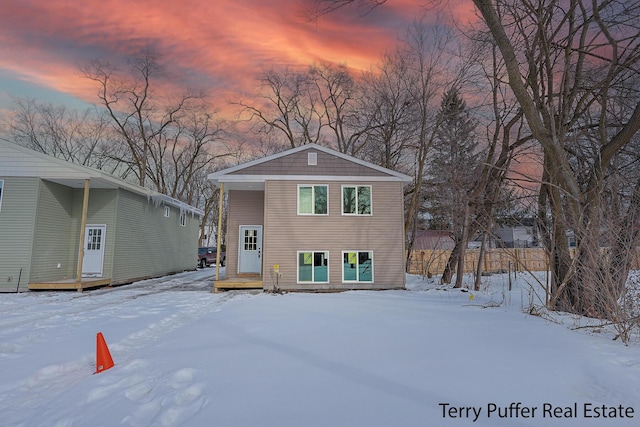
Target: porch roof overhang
256	182
18	161
236	184
104	181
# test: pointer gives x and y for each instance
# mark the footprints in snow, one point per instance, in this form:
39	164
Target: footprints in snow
166	401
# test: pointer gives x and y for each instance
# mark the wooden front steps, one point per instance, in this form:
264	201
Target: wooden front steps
70	284
243	281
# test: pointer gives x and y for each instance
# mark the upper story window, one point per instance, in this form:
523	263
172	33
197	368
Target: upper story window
167	211
356	200
1	188
183	219
312	199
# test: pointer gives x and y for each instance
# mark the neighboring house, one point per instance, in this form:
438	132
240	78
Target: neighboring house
66	226
519	236
432	239
311	218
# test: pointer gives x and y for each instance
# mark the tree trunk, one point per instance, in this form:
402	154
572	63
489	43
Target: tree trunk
447	274
476	285
463	246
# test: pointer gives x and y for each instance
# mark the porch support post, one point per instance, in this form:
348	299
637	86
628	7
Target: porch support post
219	231
83	224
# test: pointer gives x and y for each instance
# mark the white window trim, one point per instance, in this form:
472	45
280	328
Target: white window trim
183	219
357	270
356	187
1	192
167	211
312	271
313	199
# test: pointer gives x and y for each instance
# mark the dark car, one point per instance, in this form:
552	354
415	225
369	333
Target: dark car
207	257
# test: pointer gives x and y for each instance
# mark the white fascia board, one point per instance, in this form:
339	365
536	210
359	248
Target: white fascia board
217	176
263	178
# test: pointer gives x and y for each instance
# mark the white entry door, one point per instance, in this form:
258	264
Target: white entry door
93	259
250	253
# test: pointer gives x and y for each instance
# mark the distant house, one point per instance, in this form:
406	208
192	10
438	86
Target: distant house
311	218
65	226
517	236
432	239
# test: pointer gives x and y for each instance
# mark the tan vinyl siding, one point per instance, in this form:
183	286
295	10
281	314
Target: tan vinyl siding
17	216
297	164
245	208
149	244
382	233
51	238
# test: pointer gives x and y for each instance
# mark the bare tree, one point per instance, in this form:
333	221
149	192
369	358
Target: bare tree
341	99
81	137
185	151
573	66
321	105
289	108
426	50
168	141
504	138
388	104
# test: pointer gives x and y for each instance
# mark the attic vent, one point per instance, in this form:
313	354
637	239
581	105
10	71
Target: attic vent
312	159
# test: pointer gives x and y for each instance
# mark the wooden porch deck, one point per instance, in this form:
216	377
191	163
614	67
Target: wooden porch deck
245	282
70	284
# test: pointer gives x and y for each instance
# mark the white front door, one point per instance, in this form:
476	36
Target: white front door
93	259
250	253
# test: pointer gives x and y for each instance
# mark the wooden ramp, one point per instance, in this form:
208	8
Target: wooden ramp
70	284
249	281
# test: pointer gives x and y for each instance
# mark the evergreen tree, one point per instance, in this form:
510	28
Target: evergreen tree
453	168
453	163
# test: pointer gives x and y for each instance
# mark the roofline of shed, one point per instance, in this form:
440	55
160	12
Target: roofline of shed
92	173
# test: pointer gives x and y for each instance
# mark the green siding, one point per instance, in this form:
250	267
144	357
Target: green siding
40	228
101	211
149	244
51	233
19	202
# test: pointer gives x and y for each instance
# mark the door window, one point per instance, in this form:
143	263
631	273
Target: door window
94	240
250	240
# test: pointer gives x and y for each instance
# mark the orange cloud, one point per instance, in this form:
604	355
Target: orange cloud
221	46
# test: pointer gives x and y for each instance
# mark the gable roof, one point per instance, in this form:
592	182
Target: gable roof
283	166
18	161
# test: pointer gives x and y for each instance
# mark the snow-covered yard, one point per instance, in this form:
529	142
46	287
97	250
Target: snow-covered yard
423	357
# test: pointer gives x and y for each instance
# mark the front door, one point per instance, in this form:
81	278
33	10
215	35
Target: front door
93	259
250	257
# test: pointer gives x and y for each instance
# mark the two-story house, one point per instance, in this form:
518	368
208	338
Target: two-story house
311	218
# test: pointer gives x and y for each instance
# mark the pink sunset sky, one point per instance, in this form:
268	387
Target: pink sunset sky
217	45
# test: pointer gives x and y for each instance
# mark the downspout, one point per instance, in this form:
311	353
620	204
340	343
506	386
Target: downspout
219	231
83	224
